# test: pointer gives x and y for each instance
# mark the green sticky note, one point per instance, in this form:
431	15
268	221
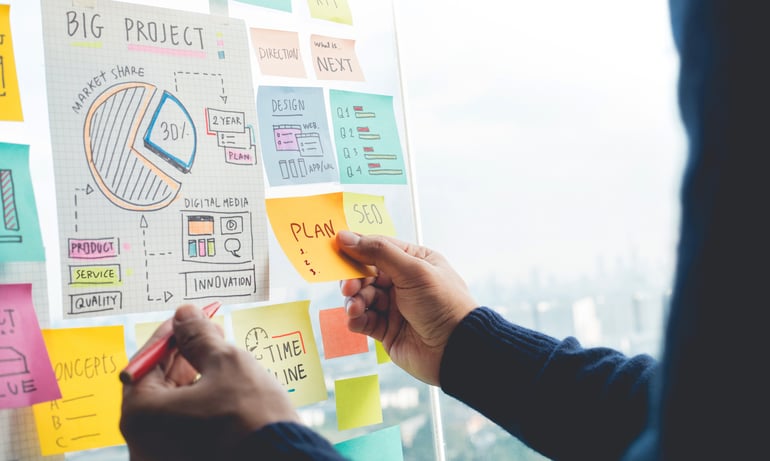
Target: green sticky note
382	445
20	238
367	139
282	5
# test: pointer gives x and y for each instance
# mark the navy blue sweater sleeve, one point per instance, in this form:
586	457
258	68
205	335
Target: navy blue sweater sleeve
286	441
563	400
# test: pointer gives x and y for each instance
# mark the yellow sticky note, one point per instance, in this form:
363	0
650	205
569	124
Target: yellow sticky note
331	10
280	337
367	214
143	330
358	402
306	228
86	362
10	100
382	354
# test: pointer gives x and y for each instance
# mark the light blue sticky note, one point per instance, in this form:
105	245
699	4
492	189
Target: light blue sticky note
294	135
283	5
20	238
382	445
366	137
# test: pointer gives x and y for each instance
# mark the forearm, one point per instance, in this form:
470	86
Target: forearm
542	390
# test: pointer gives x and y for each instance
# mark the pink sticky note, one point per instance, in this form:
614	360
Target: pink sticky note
26	375
338	341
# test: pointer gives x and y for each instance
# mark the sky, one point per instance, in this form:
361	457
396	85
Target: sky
545	134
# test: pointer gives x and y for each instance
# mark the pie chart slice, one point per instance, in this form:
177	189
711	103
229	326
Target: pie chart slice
125	176
171	134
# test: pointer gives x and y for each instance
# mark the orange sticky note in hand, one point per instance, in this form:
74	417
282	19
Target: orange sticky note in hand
306	228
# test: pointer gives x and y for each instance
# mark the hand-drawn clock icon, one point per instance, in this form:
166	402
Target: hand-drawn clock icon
252	340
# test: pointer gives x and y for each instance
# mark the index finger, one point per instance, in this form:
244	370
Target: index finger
388	254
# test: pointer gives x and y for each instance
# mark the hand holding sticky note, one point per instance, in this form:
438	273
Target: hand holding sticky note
306	228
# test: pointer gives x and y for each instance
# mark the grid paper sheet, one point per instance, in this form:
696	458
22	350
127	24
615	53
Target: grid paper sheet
159	192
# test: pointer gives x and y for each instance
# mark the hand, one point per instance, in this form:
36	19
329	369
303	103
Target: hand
171	415
411	306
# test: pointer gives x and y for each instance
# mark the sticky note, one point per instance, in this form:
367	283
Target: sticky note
382	445
306	227
367	214
26	375
358	402
337	340
365	124
282	5
296	145
331	10
144	330
86	362
10	99
335	58
20	238
280	337
382	354
278	52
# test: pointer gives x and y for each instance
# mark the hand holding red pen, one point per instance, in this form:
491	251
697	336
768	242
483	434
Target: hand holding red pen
168	415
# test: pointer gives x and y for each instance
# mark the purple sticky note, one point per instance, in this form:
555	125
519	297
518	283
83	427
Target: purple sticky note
26	376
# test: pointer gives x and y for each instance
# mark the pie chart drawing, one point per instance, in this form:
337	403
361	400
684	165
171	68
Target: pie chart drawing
124	172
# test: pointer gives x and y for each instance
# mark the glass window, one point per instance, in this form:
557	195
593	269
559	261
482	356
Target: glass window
548	151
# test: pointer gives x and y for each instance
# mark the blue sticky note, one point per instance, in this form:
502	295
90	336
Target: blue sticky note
382	445
20	238
294	133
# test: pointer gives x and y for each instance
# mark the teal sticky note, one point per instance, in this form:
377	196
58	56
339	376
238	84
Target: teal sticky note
366	137
282	5
382	445
20	238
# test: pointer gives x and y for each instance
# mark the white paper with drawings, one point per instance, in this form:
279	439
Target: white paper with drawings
159	188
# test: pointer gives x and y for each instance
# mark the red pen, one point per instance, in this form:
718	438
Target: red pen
151	355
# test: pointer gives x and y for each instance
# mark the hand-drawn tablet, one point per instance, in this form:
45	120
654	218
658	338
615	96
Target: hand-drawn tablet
127	177
171	133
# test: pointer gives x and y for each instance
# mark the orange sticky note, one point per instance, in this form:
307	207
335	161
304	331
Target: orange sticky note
278	52
10	100
335	58
337	340
306	228
86	361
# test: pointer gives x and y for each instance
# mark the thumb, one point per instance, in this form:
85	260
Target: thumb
392	256
197	337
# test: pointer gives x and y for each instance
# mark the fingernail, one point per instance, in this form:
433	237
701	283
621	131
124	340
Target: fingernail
348	302
348	238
